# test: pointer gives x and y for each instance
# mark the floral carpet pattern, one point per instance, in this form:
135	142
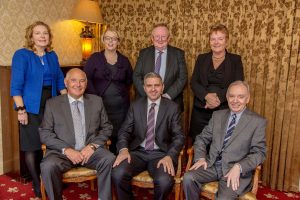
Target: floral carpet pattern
10	189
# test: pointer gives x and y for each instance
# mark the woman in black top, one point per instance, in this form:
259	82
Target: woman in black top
213	73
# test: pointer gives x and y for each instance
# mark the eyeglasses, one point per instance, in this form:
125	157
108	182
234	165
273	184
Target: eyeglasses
160	38
114	39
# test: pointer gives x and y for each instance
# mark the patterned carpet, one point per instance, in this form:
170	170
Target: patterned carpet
10	189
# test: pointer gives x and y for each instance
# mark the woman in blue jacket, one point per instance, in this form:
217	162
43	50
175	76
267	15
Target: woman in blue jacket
36	76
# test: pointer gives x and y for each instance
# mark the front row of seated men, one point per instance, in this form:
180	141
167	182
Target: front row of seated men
75	129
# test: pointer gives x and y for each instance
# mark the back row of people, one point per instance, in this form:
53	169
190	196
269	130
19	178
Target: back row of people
151	135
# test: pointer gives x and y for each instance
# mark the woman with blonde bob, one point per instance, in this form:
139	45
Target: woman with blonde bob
36	76
109	75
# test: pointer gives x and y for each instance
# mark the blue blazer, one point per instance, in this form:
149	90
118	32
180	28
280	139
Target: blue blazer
27	77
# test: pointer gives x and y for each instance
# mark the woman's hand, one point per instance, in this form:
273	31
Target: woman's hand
23	117
212	101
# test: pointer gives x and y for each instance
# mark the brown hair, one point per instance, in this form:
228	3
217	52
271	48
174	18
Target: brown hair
219	27
29	44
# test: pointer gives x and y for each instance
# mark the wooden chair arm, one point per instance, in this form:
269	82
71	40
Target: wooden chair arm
255	179
179	167
190	153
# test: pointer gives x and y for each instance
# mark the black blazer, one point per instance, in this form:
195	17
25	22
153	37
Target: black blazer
168	130
199	83
176	72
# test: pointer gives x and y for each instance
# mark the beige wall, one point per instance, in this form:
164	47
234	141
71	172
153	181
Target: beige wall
16	15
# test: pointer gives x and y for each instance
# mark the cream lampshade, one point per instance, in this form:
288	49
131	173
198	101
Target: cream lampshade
87	11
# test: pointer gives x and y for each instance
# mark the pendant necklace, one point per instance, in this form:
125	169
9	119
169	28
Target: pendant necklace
41	58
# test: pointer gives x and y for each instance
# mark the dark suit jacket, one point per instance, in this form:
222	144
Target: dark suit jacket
57	129
175	77
168	131
199	82
247	145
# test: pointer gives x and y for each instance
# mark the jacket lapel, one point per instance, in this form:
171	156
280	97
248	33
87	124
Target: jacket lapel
143	115
160	115
87	113
224	122
169	63
66	109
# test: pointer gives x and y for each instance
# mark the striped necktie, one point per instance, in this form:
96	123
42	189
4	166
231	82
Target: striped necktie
158	62
229	131
149	145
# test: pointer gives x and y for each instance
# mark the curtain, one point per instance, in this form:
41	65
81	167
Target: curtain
265	33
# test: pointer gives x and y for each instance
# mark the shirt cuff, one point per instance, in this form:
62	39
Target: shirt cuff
241	169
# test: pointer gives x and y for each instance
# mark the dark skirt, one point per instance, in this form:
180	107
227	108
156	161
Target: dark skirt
29	134
200	118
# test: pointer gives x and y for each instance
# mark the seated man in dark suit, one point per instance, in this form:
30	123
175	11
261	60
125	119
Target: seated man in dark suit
165	60
150	138
75	129
236	137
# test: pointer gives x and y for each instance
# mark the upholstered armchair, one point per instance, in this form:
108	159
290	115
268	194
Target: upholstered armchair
209	190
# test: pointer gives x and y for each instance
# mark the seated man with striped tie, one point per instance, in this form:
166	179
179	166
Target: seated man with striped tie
75	128
150	138
236	141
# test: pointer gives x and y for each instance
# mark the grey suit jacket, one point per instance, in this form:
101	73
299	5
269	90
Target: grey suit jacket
168	130
247	145
176	72
57	130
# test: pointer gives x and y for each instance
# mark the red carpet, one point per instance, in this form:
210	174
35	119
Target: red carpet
10	189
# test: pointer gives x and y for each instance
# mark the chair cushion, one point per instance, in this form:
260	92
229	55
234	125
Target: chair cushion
211	187
79	172
248	196
143	177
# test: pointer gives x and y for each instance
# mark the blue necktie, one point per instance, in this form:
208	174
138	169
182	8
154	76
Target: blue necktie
158	62
229	130
149	145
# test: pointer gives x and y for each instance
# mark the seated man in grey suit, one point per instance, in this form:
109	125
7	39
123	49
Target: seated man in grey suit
236	138
164	59
150	138
75	129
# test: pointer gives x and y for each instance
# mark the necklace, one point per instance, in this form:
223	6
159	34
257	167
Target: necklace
41	58
218	58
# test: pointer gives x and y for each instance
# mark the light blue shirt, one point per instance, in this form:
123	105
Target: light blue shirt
163	66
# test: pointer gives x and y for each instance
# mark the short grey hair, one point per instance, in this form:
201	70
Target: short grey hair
243	83
152	75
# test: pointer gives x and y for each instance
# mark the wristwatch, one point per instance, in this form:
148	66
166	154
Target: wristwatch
93	146
20	108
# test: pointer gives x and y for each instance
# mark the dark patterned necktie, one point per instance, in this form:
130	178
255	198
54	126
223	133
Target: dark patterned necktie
77	121
149	145
229	130
158	62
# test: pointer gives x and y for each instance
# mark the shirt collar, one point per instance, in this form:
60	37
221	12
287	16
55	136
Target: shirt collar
239	113
157	102
71	99
164	50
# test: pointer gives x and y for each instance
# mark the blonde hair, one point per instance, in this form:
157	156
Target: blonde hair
111	30
29	44
219	27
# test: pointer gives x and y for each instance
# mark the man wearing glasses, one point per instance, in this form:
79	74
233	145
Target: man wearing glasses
164	59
